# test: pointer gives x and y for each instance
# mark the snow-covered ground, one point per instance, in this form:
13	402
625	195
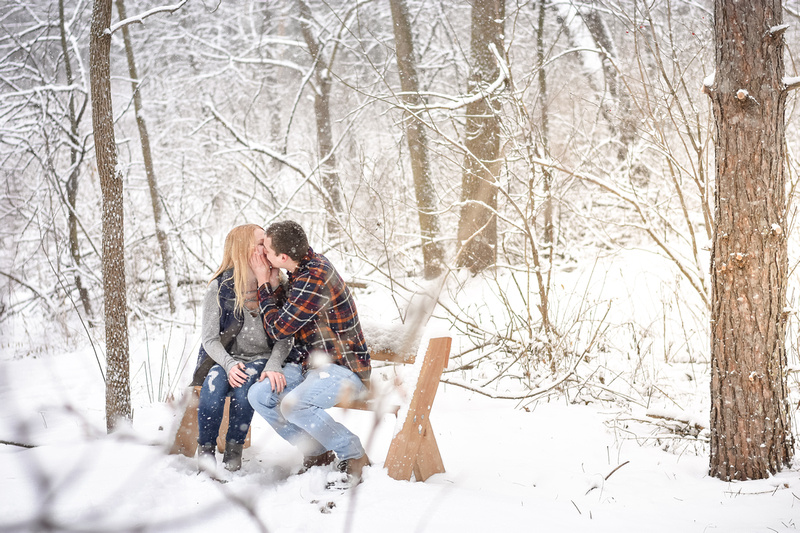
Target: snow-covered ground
590	458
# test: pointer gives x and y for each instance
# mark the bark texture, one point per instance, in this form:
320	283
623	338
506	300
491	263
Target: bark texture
750	430
417	144
477	227
331	187
118	390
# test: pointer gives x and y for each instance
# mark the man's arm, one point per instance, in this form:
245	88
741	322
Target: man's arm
306	297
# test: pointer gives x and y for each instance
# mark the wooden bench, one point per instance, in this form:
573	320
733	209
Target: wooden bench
413	449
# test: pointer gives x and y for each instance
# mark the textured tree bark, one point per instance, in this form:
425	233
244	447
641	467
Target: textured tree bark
417	144
750	428
155	197
118	390
331	187
477	226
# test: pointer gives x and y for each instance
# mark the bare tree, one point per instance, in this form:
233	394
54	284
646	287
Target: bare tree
152	185
417	145
76	153
750	430
118	391
477	227
331	187
544	128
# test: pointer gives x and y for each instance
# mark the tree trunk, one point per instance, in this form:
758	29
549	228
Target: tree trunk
74	173
417	145
118	392
750	429
322	92
623	125
155	197
477	226
547	175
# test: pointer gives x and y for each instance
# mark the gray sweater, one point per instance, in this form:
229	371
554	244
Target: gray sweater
251	343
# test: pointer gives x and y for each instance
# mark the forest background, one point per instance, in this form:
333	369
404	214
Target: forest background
260	111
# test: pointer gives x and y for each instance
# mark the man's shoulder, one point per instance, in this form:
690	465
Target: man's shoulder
317	266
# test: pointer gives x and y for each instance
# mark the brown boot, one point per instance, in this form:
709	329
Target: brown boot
311	461
353	469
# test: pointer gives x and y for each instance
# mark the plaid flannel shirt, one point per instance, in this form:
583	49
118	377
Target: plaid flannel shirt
320	312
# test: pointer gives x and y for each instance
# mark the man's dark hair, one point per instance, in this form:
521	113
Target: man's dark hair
288	238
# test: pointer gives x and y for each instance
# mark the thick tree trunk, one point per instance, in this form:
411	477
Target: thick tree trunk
331	187
72	180
417	145
118	391
750	429
155	197
477	227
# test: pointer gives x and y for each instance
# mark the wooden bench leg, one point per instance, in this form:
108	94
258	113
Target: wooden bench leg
223	428
429	460
186	437
414	448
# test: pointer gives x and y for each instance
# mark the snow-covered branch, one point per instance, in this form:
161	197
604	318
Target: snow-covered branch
255	147
791	82
42	88
462	101
140	18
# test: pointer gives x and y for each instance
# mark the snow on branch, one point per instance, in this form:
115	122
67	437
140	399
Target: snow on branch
791	82
140	18
708	82
461	101
241	138
41	89
777	31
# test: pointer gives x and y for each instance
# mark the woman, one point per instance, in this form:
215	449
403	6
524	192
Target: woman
234	349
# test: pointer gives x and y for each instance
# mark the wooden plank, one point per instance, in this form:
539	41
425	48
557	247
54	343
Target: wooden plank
186	437
390	356
404	450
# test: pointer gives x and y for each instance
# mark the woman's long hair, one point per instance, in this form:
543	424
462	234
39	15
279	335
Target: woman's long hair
239	246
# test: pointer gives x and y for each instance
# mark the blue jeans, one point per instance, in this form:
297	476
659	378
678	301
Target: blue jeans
298	413
212	404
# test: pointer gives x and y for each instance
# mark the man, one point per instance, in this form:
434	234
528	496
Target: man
329	360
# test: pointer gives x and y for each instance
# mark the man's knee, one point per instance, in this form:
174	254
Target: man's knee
261	395
291	406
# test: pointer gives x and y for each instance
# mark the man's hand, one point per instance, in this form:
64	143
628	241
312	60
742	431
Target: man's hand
276	379
237	376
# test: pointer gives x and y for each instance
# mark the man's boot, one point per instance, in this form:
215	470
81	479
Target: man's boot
352	469
233	456
322	459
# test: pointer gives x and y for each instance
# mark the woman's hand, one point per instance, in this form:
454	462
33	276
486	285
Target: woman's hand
260	266
237	376
276	379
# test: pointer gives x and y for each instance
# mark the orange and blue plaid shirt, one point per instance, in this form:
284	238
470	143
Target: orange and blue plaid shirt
319	310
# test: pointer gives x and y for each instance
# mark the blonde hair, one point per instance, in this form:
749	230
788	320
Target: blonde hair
239	246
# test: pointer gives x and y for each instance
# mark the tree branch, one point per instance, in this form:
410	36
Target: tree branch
140	18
